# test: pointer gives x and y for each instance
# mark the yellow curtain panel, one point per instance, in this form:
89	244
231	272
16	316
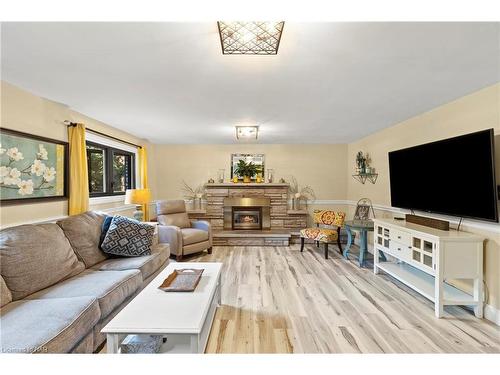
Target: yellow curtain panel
143	176
78	173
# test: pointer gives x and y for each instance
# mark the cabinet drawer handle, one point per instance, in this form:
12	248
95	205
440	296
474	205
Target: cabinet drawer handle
399	237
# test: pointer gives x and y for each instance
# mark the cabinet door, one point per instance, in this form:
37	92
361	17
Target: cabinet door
428	253
382	236
422	253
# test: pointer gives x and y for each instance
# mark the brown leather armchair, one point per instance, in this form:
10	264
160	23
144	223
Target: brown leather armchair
184	236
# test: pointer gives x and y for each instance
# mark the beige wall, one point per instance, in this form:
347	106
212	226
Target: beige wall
323	167
25	112
326	168
477	111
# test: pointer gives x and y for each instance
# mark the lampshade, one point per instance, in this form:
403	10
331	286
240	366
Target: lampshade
137	196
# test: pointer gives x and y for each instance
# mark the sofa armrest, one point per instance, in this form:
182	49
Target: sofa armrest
203	225
173	236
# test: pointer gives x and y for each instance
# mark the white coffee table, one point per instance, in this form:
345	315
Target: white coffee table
184	318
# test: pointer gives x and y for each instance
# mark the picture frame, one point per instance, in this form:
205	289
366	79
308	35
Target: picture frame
32	168
258	159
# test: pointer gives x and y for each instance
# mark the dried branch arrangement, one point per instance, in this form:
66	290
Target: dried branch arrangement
192	194
305	192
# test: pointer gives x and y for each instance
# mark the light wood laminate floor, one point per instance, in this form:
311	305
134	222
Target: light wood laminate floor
278	300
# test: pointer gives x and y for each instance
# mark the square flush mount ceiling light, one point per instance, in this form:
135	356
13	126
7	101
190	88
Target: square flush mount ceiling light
250	38
247	132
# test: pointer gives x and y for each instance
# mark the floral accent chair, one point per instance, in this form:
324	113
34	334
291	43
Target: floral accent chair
332	219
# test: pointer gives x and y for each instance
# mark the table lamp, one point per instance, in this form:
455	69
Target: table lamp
138	197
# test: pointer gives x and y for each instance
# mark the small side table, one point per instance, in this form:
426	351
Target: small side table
363	226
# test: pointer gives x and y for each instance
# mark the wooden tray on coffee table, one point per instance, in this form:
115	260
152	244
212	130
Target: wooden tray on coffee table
182	280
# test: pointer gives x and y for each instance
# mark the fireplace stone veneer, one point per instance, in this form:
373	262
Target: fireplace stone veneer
277	194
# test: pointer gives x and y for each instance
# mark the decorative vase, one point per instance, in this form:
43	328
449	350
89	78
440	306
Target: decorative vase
235	179
220	176
270	175
258	179
246	179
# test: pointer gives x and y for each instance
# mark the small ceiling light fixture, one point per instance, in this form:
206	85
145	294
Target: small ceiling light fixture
247	132
250	38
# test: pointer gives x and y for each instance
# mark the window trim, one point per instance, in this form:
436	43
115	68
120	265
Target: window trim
109	149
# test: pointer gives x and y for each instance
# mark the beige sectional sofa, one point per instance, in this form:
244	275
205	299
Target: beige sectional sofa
58	289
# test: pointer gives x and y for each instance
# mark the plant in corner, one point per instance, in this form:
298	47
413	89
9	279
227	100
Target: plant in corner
247	170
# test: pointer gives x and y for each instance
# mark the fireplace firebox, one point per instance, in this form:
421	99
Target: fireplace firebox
247	218
247	213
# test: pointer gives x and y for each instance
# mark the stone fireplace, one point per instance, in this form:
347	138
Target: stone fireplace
247	213
233	207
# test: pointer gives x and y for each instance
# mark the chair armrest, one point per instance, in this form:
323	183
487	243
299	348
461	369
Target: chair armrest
172	235
203	225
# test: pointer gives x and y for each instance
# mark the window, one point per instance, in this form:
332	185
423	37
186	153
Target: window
111	171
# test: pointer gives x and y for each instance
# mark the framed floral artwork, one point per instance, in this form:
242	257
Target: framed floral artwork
32	168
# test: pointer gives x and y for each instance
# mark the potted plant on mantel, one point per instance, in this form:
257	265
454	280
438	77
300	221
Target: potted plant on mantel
247	170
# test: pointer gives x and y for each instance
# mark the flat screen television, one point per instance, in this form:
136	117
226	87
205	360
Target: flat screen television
455	176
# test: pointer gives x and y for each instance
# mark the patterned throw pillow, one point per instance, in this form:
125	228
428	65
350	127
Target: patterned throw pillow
128	237
104	229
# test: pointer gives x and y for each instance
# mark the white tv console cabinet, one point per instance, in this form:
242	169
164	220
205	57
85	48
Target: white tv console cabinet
425	258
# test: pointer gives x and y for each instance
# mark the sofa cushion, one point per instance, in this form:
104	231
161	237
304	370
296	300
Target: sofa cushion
148	264
180	220
47	326
110	288
128	237
84	232
33	257
191	236
319	234
5	294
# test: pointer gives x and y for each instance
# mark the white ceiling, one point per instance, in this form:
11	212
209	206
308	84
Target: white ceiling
329	83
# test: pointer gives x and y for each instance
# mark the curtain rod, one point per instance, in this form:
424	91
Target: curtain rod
69	123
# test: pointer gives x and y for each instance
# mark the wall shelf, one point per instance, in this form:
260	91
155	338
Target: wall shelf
363	177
